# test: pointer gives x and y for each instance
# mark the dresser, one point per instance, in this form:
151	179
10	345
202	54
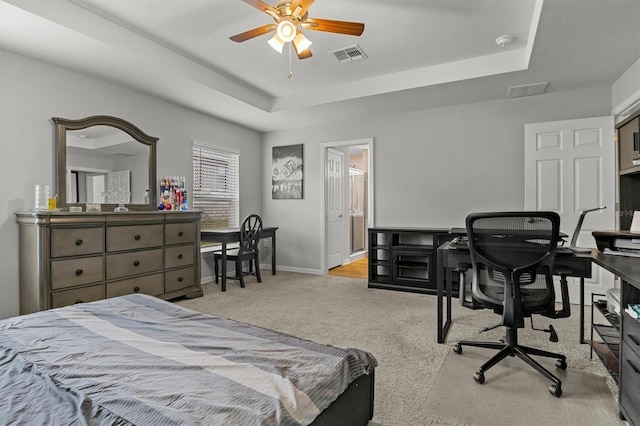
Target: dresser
68	258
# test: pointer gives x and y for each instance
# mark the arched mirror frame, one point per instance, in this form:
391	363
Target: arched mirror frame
64	124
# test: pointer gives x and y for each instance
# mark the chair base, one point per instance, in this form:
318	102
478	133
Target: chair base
510	347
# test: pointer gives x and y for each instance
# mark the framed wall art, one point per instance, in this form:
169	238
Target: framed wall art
286	172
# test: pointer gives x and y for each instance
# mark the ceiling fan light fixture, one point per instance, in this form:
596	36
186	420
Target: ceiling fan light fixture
286	30
301	43
276	43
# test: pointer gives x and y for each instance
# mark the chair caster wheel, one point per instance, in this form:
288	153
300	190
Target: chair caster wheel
561	364
457	349
555	390
479	377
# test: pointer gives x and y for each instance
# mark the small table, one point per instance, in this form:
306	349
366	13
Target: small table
231	235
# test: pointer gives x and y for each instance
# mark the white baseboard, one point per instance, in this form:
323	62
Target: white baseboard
292	269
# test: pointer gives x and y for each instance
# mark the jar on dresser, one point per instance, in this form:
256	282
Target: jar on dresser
69	257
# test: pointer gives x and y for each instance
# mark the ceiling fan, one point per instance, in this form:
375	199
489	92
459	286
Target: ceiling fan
291	17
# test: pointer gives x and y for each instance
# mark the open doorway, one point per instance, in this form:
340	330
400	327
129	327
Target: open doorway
347	201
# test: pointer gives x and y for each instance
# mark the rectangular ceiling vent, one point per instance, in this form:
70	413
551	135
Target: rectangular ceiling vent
527	90
349	54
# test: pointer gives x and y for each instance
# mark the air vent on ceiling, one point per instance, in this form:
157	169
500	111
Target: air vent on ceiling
527	90
349	54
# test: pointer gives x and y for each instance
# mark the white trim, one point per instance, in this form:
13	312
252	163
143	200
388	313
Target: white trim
370	204
212	146
622	111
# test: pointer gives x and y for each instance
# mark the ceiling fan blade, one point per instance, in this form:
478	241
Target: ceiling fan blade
300	7
253	33
266	8
331	26
306	53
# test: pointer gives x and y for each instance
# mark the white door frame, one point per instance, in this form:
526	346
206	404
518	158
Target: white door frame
370	204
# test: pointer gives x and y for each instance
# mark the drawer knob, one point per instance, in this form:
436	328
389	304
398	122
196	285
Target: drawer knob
635	369
137	237
79	272
180	279
79	242
180	256
136	263
180	234
136	289
79	301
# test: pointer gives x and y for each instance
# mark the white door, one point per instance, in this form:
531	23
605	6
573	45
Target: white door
334	207
120	182
95	188
570	167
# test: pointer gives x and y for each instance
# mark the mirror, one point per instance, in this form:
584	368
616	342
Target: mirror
106	160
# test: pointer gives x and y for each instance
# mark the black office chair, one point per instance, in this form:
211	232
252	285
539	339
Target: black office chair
246	251
512	255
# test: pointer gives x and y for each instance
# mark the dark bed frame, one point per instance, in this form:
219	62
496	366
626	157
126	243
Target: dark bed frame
354	406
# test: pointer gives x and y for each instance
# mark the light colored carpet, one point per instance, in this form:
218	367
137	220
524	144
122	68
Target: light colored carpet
586	399
399	329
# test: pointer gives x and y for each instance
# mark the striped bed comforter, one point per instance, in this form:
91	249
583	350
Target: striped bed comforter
140	360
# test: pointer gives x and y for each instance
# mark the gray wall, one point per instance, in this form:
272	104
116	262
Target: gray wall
31	92
431	167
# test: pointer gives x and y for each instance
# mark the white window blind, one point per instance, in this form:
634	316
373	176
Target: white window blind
216	186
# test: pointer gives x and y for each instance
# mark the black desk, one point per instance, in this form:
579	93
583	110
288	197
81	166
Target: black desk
232	235
451	256
628	270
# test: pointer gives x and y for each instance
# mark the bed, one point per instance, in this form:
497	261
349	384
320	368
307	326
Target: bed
140	360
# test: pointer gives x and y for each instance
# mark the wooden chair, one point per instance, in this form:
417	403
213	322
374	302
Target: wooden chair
247	250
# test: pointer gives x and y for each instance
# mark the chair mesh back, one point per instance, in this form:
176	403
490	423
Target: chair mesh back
513	254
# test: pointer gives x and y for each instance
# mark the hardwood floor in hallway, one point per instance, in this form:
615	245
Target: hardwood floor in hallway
356	269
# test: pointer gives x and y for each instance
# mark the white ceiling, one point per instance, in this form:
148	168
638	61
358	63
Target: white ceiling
421	53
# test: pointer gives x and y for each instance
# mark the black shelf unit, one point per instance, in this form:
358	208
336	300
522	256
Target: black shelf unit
405	258
608	347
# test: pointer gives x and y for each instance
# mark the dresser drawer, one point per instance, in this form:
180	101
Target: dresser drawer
179	233
133	237
76	241
73	272
178	256
630	381
77	295
149	284
133	263
178	278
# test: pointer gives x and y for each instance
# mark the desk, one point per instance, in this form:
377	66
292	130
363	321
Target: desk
450	256
232	235
628	270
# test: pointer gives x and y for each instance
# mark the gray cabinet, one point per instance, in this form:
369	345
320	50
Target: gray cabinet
629	144
68	258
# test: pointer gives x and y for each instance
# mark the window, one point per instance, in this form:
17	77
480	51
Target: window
215	185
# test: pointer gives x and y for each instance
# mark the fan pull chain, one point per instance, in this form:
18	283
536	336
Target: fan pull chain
290	64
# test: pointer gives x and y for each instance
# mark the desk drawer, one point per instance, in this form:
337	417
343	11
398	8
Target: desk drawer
133	263
74	272
179	233
76	241
178	278
149	284
178	256
631	333
134	237
77	295
630	381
